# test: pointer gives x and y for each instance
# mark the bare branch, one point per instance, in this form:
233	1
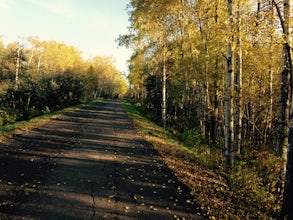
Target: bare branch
280	16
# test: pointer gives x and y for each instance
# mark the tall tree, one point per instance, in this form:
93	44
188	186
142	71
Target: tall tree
238	79
164	88
151	24
285	81
17	66
286	149
229	133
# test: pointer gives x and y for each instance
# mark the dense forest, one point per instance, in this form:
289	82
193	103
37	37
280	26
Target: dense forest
220	73
37	77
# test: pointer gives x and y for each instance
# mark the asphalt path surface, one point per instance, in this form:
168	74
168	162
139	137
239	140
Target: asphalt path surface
89	164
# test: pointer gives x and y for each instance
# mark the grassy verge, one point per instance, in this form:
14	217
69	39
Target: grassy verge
7	131
248	192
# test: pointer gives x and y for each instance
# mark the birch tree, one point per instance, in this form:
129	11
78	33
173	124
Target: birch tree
150	23
284	150
18	63
238	83
285	81
229	137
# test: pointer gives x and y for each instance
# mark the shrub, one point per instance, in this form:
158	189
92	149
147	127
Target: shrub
192	138
7	117
252	184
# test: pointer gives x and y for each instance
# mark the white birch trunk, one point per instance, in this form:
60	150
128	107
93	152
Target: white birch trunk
164	98
238	96
17	66
287	154
271	73
39	62
229	95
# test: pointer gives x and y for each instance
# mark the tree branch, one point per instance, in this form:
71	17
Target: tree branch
280	16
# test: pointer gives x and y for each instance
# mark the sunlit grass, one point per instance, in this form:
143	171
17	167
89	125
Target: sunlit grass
22	126
158	136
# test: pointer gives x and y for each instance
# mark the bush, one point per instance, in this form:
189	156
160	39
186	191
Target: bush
254	184
7	117
193	138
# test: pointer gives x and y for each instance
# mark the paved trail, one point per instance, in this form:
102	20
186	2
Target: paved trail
89	164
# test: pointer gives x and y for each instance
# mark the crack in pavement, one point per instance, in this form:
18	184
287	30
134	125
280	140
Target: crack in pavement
93	201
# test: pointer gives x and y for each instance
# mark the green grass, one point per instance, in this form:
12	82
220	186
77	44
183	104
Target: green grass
22	126
201	153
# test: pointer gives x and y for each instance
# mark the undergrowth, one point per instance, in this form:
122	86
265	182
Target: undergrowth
249	191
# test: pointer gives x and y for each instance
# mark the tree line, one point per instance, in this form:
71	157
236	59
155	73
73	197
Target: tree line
222	68
37	77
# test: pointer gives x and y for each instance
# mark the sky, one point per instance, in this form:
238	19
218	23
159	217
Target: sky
89	25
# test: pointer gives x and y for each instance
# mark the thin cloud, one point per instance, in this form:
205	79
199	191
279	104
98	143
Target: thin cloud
63	8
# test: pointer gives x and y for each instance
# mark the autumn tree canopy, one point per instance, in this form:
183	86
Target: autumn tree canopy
40	76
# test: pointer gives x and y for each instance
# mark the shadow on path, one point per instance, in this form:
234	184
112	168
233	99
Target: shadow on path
89	164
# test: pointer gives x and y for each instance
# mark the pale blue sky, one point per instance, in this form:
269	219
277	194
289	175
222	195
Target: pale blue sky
90	25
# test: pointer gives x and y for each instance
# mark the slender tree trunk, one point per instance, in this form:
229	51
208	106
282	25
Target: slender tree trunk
39	63
284	106
215	112
287	152
284	100
271	75
198	106
164	94
287	210
17	67
206	108
31	58
183	72
28	102
271	101
206	100
185	83
238	96
101	90
229	95
214	118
